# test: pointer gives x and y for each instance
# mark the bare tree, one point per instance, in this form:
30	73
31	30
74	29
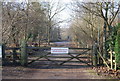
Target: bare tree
52	11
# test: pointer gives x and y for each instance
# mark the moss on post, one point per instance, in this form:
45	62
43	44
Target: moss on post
24	55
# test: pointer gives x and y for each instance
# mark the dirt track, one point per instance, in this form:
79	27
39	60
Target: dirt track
50	72
47	70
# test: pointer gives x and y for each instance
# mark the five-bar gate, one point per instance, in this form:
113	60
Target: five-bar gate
76	55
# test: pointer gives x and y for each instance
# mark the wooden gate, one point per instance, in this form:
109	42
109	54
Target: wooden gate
44	54
29	55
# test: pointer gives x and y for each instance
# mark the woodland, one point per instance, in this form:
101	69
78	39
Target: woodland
92	24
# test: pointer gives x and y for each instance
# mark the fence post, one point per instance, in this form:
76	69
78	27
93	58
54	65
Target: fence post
2	47
14	56
24	56
95	54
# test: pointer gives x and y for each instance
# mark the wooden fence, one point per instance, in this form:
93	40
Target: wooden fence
11	53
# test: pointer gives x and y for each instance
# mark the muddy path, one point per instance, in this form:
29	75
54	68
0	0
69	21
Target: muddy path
49	70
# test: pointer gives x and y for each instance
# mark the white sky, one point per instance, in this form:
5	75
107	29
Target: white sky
65	1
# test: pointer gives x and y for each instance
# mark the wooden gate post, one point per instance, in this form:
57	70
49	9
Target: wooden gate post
2	47
24	56
95	54
14	56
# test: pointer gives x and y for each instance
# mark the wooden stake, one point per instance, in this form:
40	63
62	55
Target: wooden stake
111	59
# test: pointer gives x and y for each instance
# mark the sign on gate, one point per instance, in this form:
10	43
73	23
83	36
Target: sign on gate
59	50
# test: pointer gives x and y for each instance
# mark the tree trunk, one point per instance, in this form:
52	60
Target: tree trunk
104	41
